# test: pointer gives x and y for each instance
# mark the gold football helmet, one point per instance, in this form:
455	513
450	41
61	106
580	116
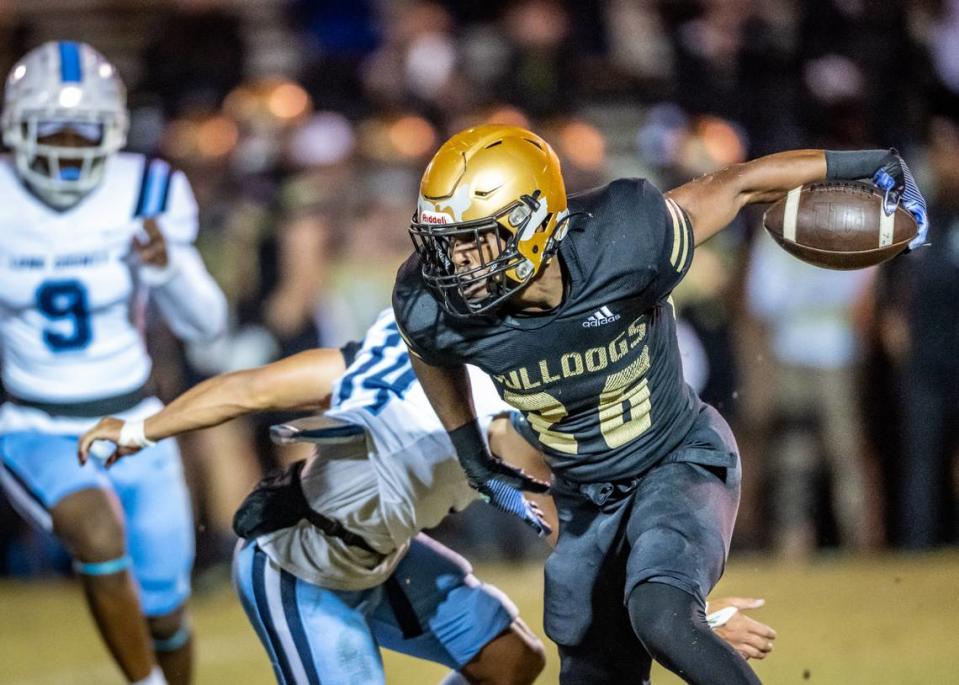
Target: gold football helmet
498	190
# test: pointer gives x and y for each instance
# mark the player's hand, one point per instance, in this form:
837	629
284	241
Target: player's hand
899	187
152	251
508	498
491	468
749	637
106	432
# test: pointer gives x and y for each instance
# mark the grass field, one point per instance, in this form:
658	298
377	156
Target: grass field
879	620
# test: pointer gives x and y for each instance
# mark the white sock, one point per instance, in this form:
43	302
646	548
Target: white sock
155	678
454	678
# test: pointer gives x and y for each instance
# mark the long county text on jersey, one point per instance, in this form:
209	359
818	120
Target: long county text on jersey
70	289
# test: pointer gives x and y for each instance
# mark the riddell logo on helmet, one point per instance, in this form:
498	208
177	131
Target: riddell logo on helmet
428	217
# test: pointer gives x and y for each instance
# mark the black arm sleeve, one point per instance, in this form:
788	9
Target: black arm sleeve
472	452
849	165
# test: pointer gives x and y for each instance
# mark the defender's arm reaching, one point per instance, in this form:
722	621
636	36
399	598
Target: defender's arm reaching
303	381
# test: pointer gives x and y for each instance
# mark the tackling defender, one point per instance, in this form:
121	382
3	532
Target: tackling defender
87	233
363	571
564	302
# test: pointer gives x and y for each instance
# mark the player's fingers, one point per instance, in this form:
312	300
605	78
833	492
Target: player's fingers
521	481
84	443
531	484
151	251
760	629
746	602
518	478
152	229
749	652
540	515
538	522
154	249
118	454
765	631
763	644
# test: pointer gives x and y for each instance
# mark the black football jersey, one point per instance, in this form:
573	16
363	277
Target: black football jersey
599	378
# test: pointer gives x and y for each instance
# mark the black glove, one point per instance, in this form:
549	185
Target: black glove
499	483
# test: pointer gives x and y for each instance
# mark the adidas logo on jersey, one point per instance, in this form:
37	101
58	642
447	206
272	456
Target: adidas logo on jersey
600	317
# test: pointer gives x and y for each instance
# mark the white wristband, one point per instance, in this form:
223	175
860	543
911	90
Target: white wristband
718	619
132	435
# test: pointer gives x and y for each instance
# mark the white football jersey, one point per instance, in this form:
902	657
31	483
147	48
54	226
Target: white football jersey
407	479
70	285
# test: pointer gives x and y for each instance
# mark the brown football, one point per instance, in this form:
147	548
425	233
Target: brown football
838	225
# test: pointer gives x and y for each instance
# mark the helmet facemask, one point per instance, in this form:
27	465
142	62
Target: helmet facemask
59	174
498	269
492	210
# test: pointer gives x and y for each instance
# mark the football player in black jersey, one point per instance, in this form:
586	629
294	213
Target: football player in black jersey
565	302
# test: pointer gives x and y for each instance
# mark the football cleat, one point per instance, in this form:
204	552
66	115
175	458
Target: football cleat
57	91
497	192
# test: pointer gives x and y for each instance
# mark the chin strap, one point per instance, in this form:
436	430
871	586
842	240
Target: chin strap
562	228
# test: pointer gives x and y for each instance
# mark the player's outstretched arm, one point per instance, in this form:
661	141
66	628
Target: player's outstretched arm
713	201
302	381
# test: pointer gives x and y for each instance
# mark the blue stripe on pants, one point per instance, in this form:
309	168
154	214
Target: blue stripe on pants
263	607
334	624
294	621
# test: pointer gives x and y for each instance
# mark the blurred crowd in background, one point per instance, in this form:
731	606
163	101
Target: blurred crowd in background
304	126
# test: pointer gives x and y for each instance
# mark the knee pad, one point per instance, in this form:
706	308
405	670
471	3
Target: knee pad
101	568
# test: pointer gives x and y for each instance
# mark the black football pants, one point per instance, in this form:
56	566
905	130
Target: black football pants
634	562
